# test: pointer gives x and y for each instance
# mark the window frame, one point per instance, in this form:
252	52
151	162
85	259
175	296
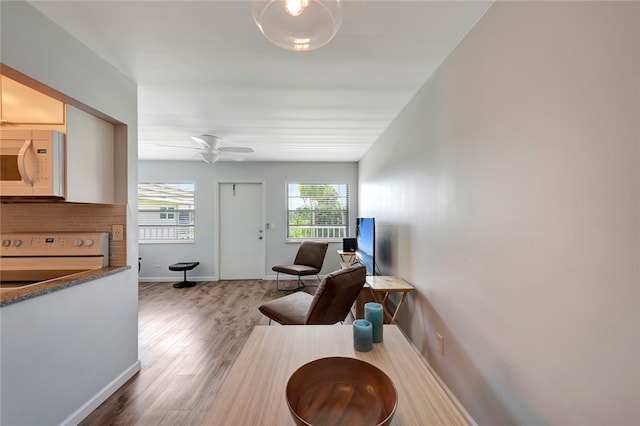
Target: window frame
345	212
173	214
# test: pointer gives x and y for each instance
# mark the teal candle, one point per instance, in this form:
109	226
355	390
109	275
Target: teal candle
362	335
374	314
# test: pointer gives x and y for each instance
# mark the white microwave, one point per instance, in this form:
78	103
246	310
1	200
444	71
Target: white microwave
32	163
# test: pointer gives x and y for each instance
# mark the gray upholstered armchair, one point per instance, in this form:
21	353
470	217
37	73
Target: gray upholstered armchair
308	261
330	304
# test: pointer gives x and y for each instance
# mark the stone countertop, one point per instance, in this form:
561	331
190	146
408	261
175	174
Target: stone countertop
11	295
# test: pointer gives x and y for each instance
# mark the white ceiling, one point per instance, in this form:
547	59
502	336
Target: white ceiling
204	67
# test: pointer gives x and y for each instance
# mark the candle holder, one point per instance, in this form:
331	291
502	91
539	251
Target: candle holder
362	335
374	313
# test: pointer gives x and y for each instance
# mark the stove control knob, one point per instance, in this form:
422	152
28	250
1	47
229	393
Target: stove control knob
78	243
17	243
88	243
6	243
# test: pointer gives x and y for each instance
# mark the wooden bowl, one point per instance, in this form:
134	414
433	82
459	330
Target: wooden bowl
340	391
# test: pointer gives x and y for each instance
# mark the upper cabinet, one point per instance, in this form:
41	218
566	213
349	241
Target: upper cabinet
90	142
90	158
23	106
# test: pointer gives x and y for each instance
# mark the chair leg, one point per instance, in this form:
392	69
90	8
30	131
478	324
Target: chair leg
302	285
298	287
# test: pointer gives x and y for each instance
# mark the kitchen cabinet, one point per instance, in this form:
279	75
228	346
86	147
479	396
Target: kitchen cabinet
90	158
89	141
22	106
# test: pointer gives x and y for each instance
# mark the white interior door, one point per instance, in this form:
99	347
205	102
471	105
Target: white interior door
241	243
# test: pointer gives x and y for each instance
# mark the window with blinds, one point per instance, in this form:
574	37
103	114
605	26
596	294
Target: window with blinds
166	212
317	211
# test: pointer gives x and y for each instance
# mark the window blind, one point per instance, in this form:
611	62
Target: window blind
166	212
317	210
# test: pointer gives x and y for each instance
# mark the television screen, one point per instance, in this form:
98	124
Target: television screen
366	243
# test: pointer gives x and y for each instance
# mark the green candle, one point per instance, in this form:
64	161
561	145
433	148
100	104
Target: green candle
362	335
373	313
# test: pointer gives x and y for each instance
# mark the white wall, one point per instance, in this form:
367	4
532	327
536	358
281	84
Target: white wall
206	177
508	192
55	349
34	46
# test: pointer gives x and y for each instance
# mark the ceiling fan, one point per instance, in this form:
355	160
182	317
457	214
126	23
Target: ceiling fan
210	151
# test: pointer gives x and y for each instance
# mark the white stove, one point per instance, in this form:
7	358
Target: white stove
35	257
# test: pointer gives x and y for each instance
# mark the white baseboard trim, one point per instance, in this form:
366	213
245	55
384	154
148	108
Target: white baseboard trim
292	278
215	278
95	401
173	279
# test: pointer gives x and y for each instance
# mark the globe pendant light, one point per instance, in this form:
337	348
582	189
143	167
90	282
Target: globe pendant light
298	25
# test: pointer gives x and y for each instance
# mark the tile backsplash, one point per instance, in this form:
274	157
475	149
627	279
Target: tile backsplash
67	217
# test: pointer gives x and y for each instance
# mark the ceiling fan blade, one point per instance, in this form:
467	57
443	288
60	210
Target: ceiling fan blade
177	146
206	141
201	143
235	149
232	156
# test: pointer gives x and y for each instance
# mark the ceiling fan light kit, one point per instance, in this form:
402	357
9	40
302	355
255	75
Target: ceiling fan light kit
298	25
209	156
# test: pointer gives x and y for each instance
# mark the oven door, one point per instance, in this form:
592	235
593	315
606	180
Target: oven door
34	276
36	269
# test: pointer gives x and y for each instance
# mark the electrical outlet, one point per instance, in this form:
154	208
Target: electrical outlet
440	344
117	232
157	264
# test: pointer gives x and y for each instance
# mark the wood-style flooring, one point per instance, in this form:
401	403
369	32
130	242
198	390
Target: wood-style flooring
188	340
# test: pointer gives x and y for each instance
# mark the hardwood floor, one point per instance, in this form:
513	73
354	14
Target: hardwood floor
188	340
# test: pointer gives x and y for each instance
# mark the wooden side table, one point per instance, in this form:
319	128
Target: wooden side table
383	285
347	258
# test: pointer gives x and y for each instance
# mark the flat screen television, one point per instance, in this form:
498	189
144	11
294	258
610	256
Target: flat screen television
366	243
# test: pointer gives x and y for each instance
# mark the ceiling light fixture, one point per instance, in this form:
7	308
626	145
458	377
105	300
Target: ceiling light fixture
209	157
298	25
